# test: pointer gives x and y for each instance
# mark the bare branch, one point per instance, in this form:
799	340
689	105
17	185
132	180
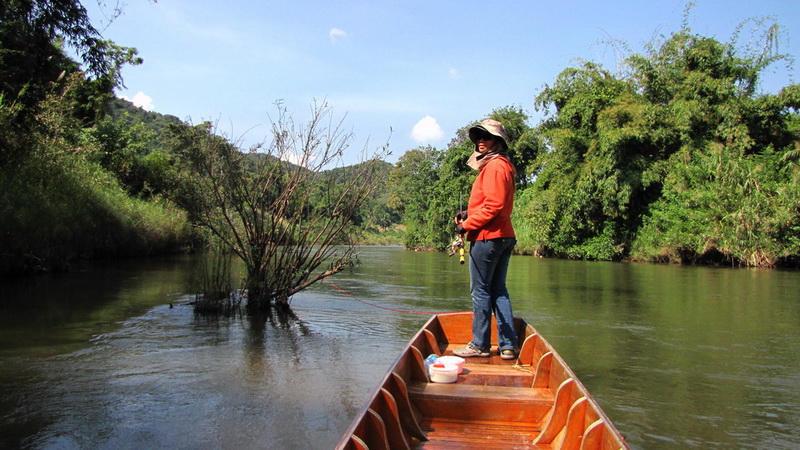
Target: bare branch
265	205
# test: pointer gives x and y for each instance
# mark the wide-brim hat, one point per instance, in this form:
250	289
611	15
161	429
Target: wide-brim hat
491	126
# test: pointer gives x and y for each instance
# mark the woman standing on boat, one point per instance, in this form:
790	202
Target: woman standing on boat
487	224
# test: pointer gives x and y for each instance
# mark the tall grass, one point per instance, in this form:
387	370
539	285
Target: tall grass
216	293
726	208
57	206
56	210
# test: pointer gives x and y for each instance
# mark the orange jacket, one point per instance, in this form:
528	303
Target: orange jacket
491	202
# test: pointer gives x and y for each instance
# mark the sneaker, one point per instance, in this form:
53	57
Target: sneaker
470	350
508	354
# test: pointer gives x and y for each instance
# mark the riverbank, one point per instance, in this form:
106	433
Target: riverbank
52	215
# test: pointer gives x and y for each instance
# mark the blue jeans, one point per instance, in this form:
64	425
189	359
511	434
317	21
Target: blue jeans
488	268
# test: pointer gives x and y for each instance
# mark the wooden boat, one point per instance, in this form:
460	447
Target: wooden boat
533	402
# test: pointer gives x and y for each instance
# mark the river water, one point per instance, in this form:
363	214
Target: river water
677	357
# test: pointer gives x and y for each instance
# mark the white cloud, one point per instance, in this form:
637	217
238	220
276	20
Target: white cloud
427	130
336	34
141	100
297	159
454	73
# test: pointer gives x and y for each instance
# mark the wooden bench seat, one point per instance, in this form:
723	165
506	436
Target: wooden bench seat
447	434
468	402
496	375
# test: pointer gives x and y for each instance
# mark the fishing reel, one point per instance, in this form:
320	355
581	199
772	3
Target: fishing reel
457	247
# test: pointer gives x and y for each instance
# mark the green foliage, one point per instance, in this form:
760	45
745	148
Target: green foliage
31	32
448	195
595	142
742	209
58	205
411	186
135	152
375	215
680	160
33	65
56	209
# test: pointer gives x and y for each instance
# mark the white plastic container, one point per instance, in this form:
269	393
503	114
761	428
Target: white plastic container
444	373
455	360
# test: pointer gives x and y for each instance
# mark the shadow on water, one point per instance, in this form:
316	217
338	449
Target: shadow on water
57	313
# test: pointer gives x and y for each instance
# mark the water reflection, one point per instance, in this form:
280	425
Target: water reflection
677	356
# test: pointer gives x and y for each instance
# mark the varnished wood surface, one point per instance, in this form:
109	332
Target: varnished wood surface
532	402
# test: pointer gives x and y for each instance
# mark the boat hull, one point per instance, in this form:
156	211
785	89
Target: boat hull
535	401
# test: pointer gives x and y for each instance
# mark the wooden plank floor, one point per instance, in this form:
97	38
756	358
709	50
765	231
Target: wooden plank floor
492	370
475	434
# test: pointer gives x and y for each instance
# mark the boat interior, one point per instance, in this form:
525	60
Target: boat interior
534	401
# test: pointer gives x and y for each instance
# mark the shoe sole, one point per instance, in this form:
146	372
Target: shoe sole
508	357
472	355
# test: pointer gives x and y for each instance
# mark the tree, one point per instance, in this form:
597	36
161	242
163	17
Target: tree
33	63
524	143
412	184
671	160
574	204
258	205
375	215
32	33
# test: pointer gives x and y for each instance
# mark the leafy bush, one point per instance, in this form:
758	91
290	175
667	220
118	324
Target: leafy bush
52	213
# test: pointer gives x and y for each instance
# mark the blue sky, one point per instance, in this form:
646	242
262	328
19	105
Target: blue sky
422	69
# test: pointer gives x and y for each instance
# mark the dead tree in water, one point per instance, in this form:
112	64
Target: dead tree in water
268	205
